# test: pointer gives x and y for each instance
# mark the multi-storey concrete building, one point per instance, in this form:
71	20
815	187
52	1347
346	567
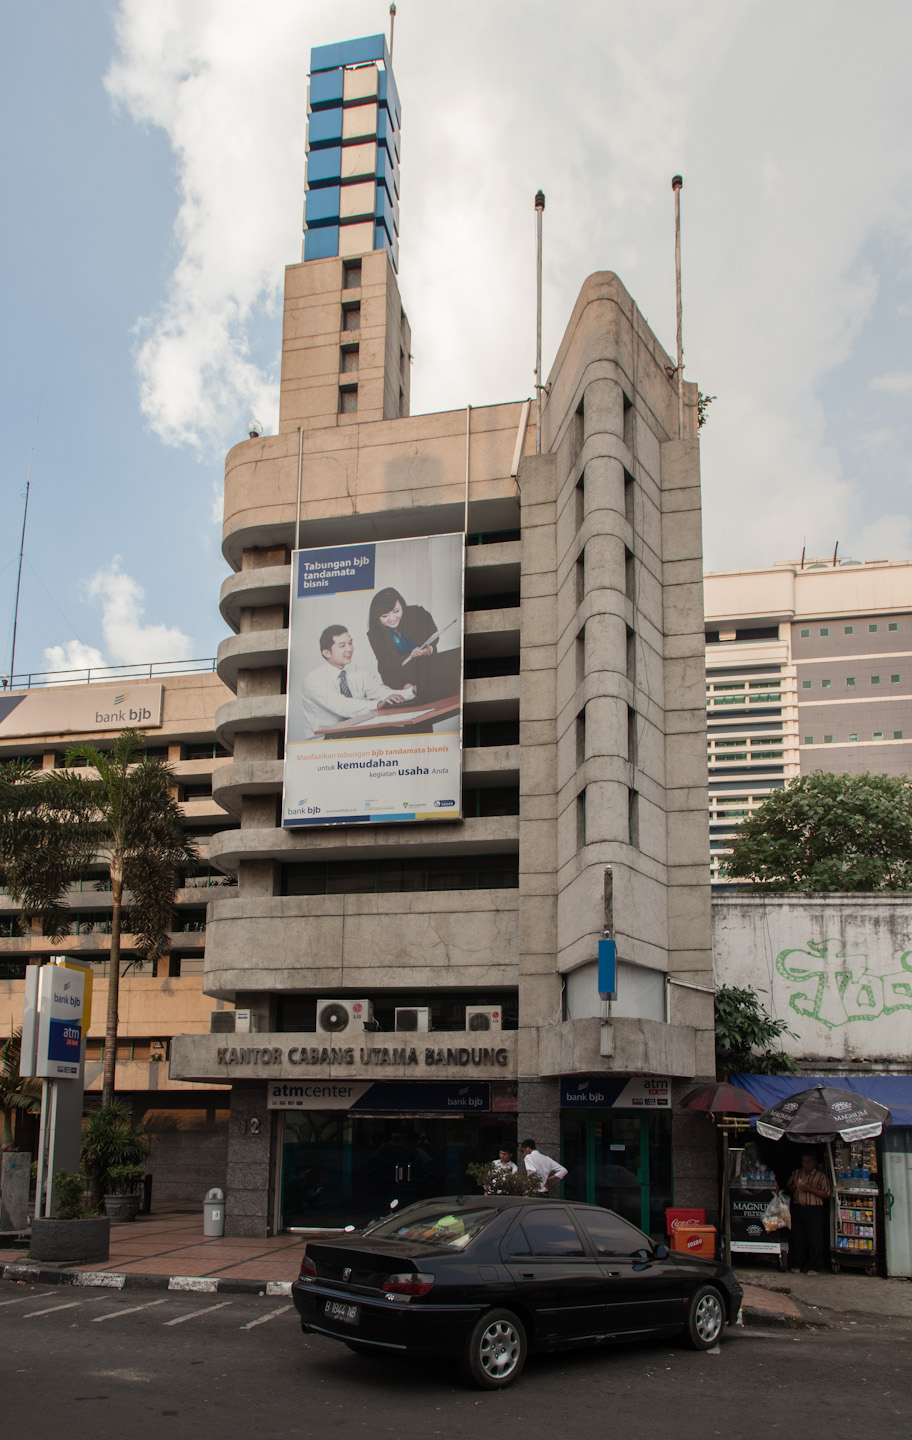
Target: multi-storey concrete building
41	717
583	755
807	668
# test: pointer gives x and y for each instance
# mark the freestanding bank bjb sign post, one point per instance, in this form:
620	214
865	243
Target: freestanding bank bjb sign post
374	710
53	1022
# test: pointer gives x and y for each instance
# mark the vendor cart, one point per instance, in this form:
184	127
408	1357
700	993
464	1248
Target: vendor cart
751	1187
854	1230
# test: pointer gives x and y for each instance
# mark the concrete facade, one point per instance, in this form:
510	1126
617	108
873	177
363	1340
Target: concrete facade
583	644
807	668
836	968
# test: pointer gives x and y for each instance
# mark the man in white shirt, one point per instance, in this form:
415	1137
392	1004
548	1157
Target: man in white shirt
541	1165
337	690
504	1161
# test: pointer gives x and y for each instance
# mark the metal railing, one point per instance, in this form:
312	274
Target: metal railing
97	674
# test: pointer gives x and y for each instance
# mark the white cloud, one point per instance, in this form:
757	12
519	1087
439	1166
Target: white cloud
794	154
128	640
73	656
897	382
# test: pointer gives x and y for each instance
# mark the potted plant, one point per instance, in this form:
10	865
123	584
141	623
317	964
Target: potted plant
122	1200
75	1234
112	1156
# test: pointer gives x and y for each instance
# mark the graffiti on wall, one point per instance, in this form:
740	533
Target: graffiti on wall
826	984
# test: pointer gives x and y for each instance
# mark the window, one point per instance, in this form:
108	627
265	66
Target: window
806	684
825	684
850	681
824	629
875	679
805	634
349	358
848	629
897	734
351	317
633	817
348	399
351	274
893	625
631	735
808	740
581	736
827	739
546	1232
894	679
610	1235
629	574
872	629
853	737
631	656
628	498
581	819
878	735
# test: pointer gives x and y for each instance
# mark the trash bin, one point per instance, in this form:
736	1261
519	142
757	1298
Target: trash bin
214	1212
145	1207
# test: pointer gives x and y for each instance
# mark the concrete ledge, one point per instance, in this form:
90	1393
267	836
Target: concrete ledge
114	1280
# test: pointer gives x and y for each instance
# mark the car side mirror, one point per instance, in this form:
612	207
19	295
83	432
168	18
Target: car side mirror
661	1252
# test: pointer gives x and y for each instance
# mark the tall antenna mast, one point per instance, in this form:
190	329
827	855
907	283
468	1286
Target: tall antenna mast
539	211
677	185
392	29
28	481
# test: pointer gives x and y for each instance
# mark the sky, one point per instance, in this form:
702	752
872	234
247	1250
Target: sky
154	155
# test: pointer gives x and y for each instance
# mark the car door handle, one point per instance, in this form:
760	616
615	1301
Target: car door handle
527	1274
612	1274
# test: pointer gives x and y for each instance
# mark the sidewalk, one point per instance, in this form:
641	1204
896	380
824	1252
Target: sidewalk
821	1299
168	1250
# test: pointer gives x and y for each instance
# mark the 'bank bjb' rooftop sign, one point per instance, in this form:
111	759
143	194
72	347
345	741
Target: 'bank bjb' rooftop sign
83	710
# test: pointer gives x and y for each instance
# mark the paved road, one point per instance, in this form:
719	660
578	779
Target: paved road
99	1364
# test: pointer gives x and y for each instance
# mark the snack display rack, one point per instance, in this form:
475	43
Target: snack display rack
854	1237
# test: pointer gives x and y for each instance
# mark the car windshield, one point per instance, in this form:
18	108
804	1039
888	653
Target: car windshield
436	1222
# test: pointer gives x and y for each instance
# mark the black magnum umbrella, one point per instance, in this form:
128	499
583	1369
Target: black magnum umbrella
821	1114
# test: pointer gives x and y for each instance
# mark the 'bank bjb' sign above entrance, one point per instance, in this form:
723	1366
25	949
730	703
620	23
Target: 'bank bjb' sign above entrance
615	1092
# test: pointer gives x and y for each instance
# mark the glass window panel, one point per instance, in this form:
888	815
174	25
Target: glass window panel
552	1232
610	1235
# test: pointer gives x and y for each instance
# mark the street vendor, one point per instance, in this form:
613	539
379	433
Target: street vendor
809	1188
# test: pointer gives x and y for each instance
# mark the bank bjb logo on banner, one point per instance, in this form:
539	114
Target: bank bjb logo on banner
60	1018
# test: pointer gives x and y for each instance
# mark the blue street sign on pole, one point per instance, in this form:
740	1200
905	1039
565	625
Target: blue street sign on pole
607	968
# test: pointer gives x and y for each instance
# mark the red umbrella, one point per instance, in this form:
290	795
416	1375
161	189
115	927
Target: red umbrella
722	1099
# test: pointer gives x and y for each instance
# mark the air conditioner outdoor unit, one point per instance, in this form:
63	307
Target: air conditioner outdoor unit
344	1017
413	1017
232	1022
478	1017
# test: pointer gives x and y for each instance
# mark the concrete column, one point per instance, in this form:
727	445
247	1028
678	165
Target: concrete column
539	1115
248	1200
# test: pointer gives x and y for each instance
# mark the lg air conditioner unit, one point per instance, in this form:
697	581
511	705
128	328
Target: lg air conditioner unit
232	1022
411	1017
344	1017
478	1017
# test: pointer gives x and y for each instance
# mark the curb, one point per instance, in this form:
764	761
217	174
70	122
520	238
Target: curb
778	1320
116	1280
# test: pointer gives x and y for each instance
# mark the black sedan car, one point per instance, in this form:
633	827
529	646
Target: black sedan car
487	1278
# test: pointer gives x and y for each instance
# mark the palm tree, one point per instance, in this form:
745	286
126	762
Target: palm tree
126	817
16	1091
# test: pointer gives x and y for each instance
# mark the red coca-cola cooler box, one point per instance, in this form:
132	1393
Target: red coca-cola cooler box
683	1217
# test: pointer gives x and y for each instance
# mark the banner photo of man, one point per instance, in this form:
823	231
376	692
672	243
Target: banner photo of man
373	728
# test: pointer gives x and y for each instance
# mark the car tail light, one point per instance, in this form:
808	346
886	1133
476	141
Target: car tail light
403	1287
308	1272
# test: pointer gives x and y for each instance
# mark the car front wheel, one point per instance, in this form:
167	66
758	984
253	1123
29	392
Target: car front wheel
705	1319
495	1352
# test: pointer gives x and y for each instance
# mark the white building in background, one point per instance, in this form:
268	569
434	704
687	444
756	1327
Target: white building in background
808	667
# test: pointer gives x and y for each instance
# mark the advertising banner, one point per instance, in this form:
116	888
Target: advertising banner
85	710
373	730
60	1016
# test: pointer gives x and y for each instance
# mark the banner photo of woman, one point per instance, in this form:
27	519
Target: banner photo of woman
374	709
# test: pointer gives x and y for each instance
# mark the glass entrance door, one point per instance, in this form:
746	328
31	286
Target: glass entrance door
620	1159
340	1168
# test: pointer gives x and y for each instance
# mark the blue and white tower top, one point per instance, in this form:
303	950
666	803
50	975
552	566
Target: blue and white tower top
352	201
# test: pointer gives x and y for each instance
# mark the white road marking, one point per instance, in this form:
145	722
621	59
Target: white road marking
33	1314
20	1300
271	1316
192	1314
130	1310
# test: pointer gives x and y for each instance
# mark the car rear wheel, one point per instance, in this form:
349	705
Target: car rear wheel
495	1352
705	1319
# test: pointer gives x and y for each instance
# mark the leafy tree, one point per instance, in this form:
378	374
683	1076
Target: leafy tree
125	816
745	1035
17	1092
829	832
